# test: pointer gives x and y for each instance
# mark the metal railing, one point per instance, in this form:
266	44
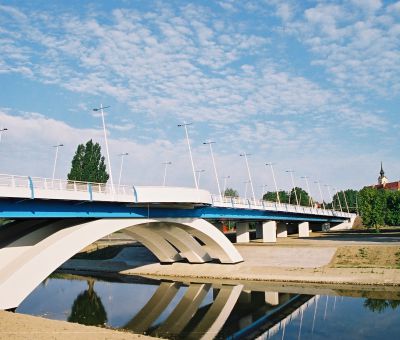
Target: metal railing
39	183
238	202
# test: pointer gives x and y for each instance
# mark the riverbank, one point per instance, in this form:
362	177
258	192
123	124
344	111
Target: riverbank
15	326
345	258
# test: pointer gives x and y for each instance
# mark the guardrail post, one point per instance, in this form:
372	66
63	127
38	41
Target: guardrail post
74	186
135	195
233	204
31	187
90	192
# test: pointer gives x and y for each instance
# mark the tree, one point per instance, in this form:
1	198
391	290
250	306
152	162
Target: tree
372	206
88	164
229	192
302	196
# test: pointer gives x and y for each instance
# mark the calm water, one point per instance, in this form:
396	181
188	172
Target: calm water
182	310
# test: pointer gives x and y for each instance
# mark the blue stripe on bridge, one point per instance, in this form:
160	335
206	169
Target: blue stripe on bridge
13	209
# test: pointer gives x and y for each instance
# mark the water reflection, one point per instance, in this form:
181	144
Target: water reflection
197	310
87	308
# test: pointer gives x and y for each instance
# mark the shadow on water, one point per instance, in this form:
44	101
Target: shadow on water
194	310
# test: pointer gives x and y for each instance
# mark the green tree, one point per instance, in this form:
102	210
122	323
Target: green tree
229	192
372	206
302	196
88	164
392	215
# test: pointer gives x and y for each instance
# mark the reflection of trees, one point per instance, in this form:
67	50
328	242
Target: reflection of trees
87	308
379	306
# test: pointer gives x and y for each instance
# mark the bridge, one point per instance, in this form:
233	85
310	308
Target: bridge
54	219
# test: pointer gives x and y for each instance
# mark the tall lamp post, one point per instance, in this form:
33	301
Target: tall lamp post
330	194
225	178
215	167
199	172
310	201
276	186
101	109
294	187
338	197
55	160
122	155
165	171
185	125
1	132
245	188
320	192
248	171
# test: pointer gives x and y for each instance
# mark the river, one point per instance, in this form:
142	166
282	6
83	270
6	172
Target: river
194	310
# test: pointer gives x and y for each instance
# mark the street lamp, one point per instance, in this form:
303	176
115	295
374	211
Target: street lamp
330	194
248	171
245	189
273	177
345	201
263	190
1	132
55	160
320	192
337	195
225	178
122	155
185	125
101	109
294	187
215	167
309	191
198	172
165	171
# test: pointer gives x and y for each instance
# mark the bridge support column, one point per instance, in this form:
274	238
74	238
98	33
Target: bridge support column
267	231
281	229
272	298
242	232
304	229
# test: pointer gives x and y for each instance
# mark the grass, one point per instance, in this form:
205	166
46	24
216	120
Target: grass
384	256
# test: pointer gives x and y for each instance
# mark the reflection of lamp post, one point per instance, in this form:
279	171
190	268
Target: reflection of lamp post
273	177
309	192
1	132
120	169
215	167
185	125
55	160
320	192
294	187
165	171
248	171
225	179
198	176
101	109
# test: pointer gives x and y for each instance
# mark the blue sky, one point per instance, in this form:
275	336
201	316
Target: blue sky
312	86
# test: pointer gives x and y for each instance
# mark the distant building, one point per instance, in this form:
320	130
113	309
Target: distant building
383	182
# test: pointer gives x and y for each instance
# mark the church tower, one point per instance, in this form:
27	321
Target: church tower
382	178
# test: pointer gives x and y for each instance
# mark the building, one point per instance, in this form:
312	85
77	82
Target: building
383	182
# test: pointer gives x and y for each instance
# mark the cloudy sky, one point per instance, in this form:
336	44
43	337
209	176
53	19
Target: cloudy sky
312	86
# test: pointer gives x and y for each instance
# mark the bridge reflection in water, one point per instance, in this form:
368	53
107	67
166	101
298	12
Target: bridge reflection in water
184	310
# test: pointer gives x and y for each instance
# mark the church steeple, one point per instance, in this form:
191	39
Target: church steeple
382	178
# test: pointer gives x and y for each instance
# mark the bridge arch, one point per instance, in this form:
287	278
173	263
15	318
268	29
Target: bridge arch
30	258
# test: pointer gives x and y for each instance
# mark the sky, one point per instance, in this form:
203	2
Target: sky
312	86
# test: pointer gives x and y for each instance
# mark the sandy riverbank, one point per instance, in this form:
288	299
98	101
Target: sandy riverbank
15	326
320	259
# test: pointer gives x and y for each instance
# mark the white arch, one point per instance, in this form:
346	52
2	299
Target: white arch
46	249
